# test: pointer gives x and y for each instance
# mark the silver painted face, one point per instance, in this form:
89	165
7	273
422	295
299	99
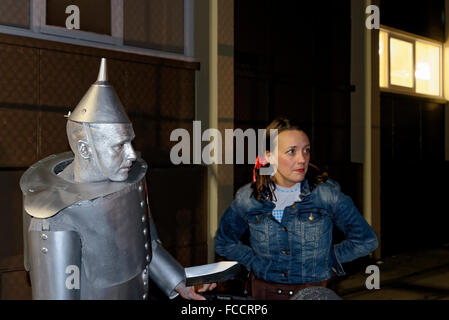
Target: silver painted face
112	150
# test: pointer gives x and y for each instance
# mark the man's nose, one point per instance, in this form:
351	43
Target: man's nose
130	153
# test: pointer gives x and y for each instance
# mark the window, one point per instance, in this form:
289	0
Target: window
427	68
95	15
15	13
409	64
401	63
155	27
155	24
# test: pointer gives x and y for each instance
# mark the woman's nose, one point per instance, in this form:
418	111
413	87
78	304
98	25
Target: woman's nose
300	158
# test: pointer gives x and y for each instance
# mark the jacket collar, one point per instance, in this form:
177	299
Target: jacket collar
305	192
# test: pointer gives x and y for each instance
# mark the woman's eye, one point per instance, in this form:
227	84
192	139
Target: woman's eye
291	151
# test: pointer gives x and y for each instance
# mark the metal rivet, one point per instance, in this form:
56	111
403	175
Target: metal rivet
142	204
44	250
44	236
145	283
146	246
311	217
290	293
148	258
84	110
294	206
279	291
145	296
145	231
30	190
140	188
144	218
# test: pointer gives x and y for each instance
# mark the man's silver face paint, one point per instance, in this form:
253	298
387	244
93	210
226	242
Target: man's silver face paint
112	151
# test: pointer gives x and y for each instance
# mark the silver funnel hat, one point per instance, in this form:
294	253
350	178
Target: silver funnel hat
100	104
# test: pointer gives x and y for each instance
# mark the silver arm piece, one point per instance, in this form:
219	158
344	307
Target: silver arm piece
55	264
164	270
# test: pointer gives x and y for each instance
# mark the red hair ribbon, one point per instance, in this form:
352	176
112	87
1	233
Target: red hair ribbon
260	162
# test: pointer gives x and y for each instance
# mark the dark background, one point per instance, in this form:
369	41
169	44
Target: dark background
292	58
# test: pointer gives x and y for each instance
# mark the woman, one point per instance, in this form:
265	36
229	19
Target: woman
290	220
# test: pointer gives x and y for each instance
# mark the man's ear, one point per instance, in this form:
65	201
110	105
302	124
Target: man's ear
84	149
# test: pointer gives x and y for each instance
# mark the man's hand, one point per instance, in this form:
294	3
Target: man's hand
189	293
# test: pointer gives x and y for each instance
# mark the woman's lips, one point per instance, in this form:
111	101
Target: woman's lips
300	170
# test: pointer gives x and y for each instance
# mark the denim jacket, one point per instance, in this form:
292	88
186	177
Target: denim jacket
299	249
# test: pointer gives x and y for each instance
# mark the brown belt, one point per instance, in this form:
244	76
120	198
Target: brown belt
264	290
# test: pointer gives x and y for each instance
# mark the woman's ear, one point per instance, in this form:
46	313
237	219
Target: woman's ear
269	157
84	149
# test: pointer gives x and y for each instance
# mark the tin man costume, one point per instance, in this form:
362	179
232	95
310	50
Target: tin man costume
88	233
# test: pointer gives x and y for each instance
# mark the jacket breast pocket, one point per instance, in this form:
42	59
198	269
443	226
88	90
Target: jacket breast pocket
311	225
258	228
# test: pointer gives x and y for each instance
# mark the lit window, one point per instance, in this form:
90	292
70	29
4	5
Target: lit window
401	63
408	64
383	59
427	68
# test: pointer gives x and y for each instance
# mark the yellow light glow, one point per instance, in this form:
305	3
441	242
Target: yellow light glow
427	68
383	59
401	63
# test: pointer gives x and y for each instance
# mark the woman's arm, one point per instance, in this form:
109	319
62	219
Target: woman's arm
360	239
227	240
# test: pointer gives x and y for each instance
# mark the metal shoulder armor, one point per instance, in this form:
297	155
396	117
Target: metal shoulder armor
54	262
165	271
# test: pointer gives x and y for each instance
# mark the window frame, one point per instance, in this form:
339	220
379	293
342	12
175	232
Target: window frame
412	38
40	30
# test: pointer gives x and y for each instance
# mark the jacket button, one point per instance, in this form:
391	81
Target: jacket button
286	252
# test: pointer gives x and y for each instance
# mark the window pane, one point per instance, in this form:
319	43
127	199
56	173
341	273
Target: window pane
154	24
401	63
383	59
95	16
15	13
427	68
